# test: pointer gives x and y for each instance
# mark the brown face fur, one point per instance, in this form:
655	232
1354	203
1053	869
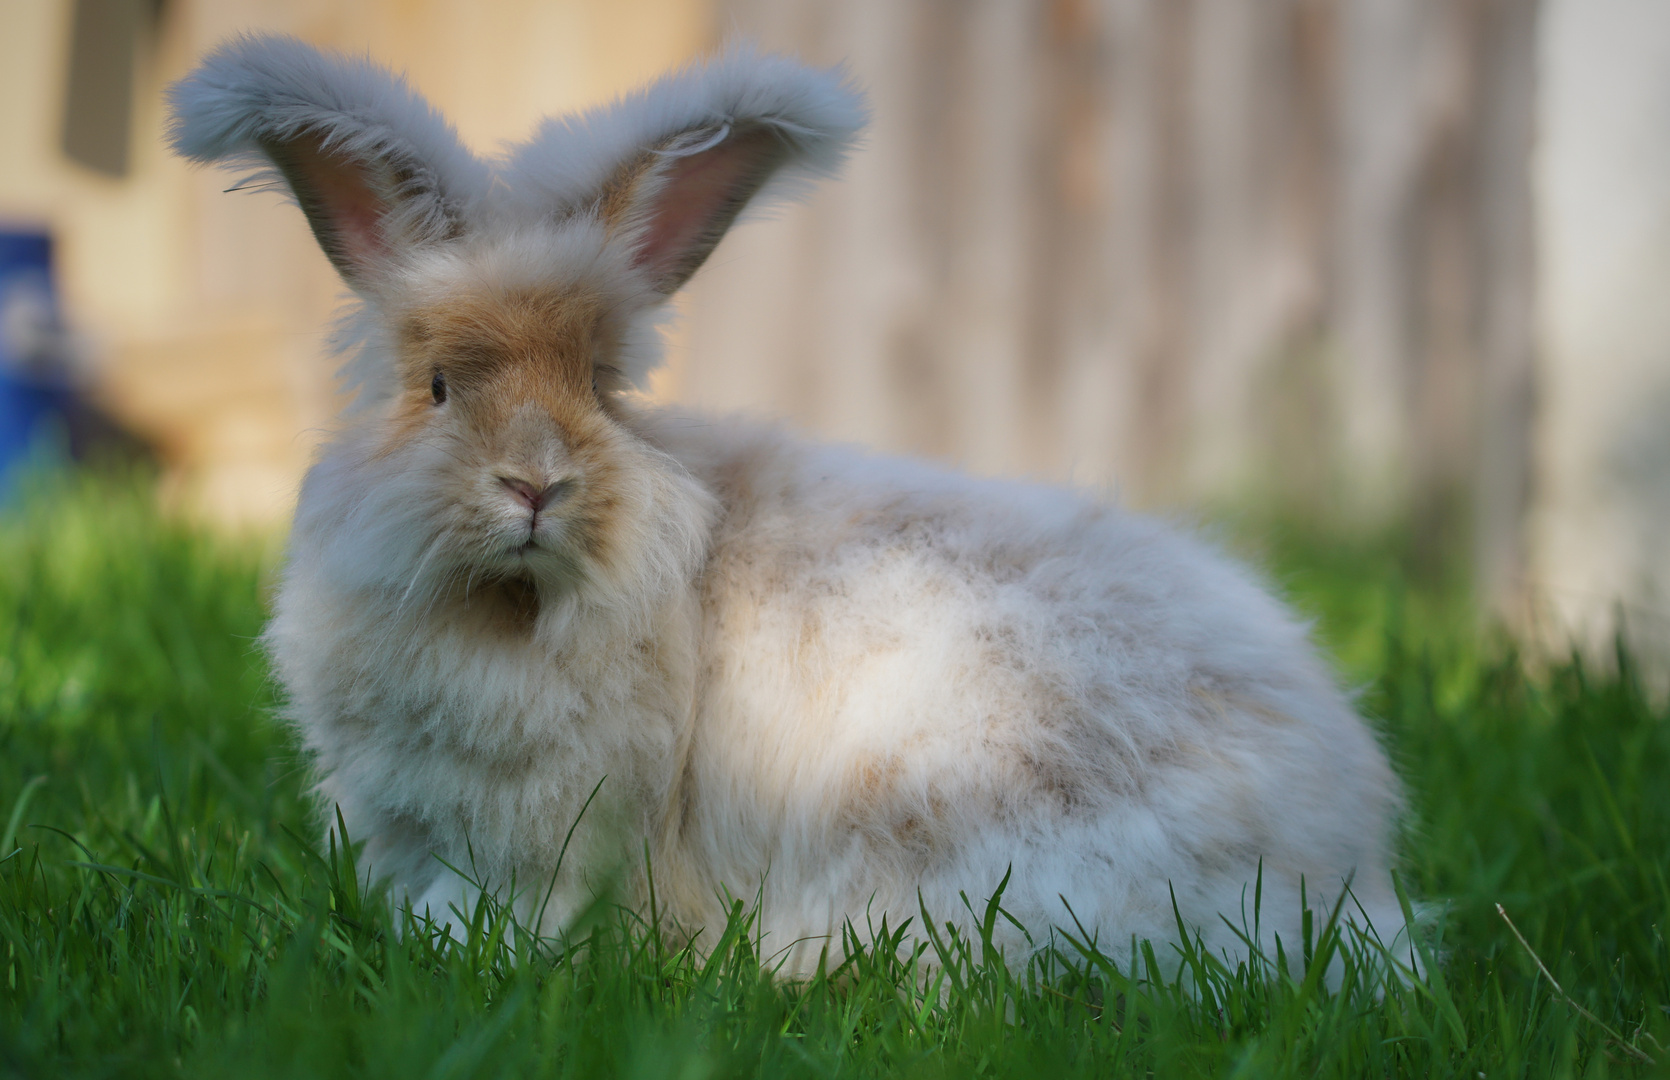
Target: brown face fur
498	352
529	388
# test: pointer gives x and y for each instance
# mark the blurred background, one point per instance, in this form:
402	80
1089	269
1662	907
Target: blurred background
1370	263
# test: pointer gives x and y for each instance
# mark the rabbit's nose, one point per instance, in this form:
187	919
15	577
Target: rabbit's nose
530	495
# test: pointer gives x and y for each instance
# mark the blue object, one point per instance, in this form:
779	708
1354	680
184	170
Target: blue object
34	389
27	409
25	251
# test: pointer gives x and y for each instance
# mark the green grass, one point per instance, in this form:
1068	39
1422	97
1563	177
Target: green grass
165	908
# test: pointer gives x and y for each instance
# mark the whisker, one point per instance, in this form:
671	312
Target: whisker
417	572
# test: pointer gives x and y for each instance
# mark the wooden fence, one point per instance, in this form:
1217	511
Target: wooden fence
1190	249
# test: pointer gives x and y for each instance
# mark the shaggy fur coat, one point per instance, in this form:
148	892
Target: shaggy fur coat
851	686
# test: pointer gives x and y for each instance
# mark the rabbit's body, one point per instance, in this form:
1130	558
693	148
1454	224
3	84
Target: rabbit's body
859	686
912	682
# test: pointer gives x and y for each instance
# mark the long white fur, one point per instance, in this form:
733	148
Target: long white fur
858	685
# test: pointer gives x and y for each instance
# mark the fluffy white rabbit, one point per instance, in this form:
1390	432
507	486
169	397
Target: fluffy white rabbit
854	686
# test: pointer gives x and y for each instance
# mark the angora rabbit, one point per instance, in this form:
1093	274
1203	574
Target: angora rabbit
850	686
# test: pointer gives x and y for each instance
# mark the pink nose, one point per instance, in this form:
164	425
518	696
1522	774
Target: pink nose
534	498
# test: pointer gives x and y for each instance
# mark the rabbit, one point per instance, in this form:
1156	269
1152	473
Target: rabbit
543	639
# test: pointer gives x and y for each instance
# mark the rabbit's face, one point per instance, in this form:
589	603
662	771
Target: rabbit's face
496	447
501	403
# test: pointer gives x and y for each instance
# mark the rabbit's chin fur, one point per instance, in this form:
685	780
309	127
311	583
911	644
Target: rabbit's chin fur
854	687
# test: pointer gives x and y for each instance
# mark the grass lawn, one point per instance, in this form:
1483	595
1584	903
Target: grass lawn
167	909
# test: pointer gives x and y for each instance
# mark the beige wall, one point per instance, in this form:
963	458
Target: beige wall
1601	531
205	312
1188	249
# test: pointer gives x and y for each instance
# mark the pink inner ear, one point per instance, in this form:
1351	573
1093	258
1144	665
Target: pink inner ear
700	195
342	204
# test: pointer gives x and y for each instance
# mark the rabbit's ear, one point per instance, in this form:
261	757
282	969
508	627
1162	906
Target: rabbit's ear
669	168
376	170
675	204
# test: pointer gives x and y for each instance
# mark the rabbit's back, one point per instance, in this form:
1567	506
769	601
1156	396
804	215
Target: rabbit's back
912	679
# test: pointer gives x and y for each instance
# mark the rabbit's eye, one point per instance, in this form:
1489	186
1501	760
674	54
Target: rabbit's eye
437	388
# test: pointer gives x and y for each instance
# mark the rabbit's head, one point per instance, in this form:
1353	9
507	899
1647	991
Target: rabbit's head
506	304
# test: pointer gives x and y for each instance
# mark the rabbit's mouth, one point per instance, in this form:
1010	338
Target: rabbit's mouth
523	537
540	556
532	542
